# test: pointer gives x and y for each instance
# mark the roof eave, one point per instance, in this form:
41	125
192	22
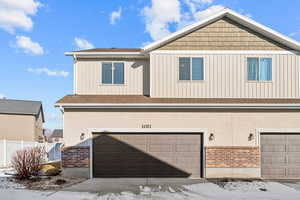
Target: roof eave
179	105
105	54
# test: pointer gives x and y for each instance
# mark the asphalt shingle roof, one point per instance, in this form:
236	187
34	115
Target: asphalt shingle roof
9	106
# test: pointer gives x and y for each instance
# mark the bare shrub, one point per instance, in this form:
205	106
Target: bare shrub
27	162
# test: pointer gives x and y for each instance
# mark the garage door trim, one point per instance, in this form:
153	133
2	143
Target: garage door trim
201	132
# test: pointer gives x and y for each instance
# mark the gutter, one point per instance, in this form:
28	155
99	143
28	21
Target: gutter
181	106
105	53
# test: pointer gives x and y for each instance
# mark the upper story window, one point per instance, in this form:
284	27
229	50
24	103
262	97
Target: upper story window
112	73
191	68
259	69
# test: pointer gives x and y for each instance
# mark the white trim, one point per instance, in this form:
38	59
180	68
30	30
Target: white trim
75	75
113	76
234	16
174	105
203	131
191	69
258	80
221	52
103	53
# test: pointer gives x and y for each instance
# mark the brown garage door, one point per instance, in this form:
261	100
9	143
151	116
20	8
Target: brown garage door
280	156
147	155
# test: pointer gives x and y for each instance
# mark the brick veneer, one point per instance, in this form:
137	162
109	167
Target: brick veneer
76	157
232	157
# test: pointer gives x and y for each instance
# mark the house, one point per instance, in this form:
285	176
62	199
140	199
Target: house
21	120
219	98
56	136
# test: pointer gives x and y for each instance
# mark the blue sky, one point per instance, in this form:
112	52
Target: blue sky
34	34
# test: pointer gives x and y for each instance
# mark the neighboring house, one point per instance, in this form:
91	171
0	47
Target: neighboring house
21	120
56	136
220	98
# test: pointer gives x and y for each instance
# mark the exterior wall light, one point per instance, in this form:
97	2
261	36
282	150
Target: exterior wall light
211	137
251	136
82	136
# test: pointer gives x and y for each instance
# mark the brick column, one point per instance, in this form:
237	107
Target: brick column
76	157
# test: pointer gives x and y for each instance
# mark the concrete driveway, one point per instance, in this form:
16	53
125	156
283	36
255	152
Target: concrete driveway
118	185
290	183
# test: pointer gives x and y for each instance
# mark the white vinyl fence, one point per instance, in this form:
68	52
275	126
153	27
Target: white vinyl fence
9	147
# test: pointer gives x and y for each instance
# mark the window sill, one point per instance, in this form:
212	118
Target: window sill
259	81
191	81
112	84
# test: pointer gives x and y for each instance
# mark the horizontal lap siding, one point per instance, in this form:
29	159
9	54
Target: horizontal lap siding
223	34
225	77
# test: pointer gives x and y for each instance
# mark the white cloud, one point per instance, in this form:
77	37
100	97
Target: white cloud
83	43
115	15
2	96
200	15
295	33
159	16
194	5
17	14
48	72
29	46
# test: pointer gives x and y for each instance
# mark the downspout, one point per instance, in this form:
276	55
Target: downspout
75	75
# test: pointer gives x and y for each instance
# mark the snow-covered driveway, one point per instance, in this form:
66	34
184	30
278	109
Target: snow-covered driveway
234	190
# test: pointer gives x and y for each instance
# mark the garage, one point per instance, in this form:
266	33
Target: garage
280	156
147	155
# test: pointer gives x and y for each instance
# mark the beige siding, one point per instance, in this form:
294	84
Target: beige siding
230	128
225	77
39	128
223	34
89	78
17	127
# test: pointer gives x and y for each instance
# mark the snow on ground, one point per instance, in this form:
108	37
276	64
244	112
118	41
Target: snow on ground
202	191
3	172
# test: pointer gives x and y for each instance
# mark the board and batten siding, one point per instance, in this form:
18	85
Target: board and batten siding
225	77
89	73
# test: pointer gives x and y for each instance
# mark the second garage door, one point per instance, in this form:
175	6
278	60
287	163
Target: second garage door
147	155
280	156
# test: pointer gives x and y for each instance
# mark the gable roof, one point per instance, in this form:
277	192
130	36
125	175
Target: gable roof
245	21
22	107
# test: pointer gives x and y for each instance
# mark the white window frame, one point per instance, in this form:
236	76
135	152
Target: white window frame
258	71
113	77
191	68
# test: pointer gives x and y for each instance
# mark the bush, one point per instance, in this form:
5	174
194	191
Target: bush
50	170
27	162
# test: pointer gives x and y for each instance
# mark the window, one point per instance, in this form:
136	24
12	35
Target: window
113	73
259	69
191	69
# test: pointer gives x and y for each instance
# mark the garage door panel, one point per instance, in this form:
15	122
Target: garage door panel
273	139
187	148
293	171
120	148
273	148
160	148
162	139
146	155
293	158
193	139
293	139
273	158
273	171
293	147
